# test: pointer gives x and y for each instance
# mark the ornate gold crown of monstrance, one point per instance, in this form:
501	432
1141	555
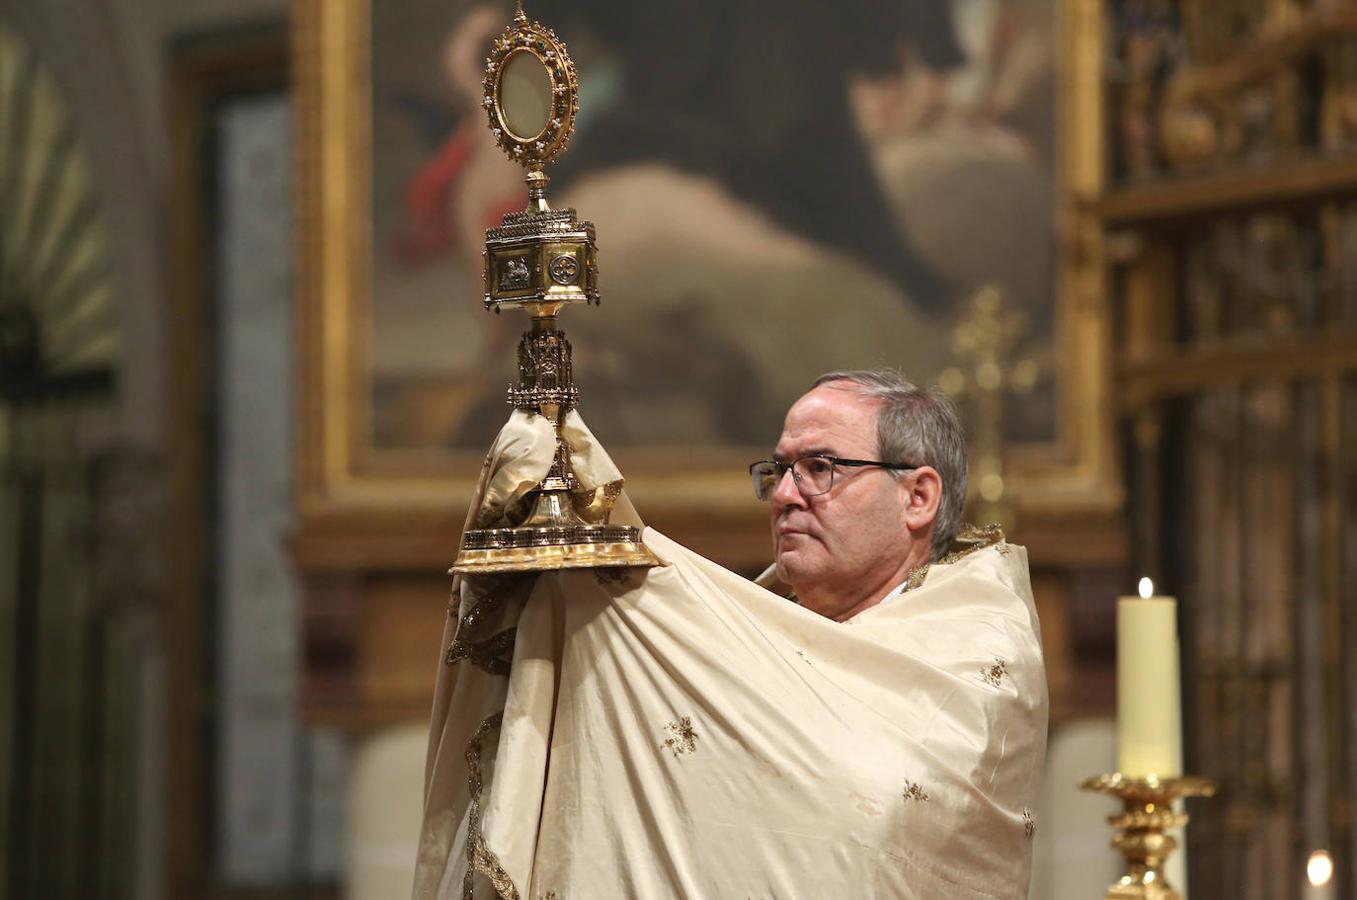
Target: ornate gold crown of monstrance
542	260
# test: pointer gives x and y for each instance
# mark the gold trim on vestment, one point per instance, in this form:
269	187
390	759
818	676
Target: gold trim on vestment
970	539
479	857
488	655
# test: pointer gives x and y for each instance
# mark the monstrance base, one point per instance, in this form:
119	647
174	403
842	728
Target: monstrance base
528	549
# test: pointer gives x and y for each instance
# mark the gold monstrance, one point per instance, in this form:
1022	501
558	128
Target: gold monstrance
541	260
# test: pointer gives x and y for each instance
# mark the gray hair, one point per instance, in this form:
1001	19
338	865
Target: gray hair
918	427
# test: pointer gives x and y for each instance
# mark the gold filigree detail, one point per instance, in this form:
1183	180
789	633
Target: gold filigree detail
915	792
994	674
968	540
1029	824
479	857
682	739
488	655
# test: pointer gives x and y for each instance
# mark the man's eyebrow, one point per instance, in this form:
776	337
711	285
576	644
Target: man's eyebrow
814	451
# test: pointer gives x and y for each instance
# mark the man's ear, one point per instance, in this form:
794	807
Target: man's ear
924	487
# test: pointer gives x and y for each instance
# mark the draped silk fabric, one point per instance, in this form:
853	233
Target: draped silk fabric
684	732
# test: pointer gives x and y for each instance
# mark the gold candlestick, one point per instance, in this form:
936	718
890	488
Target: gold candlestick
1147	813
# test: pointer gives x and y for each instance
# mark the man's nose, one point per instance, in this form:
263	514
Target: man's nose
787	493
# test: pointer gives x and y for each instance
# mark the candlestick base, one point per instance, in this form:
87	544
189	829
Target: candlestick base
1146	815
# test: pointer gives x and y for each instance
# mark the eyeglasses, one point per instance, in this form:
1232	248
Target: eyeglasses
813	475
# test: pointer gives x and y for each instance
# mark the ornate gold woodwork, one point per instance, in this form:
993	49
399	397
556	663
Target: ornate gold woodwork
1224	83
1237	303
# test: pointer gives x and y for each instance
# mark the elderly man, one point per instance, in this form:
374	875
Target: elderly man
681	732
848	530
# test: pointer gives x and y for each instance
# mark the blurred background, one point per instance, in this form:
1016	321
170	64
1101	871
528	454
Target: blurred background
246	380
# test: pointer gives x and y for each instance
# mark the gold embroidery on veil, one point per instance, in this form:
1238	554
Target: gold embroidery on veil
479	857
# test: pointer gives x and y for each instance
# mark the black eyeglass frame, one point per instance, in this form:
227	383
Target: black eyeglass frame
835	462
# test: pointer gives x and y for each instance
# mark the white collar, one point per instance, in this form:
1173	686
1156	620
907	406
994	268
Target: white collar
896	591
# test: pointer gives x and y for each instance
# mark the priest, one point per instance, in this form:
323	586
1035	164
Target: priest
868	719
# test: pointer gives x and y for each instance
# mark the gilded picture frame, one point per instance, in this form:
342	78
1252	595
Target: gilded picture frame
359	501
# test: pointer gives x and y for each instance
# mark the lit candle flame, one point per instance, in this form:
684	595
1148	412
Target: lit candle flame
1146	588
1319	869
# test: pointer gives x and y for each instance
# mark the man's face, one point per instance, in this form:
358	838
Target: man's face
855	535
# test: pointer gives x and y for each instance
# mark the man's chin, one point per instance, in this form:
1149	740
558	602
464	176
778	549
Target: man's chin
791	566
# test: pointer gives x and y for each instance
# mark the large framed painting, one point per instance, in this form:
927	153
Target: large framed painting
778	192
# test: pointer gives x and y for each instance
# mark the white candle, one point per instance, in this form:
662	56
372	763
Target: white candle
1148	720
1319	874
1176	867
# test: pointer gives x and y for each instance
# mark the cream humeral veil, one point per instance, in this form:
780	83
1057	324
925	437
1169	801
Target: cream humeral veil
683	732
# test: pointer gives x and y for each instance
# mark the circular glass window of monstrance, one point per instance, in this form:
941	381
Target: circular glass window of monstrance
525	96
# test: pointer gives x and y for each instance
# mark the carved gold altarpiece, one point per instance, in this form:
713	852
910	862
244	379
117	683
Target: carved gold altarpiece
1232	235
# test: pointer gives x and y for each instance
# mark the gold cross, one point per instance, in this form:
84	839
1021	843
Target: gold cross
984	343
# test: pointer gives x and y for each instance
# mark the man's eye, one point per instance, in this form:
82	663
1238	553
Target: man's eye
817	466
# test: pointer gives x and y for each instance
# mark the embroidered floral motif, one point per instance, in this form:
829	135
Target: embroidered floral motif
683	739
994	674
915	791
1004	549
1029	825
